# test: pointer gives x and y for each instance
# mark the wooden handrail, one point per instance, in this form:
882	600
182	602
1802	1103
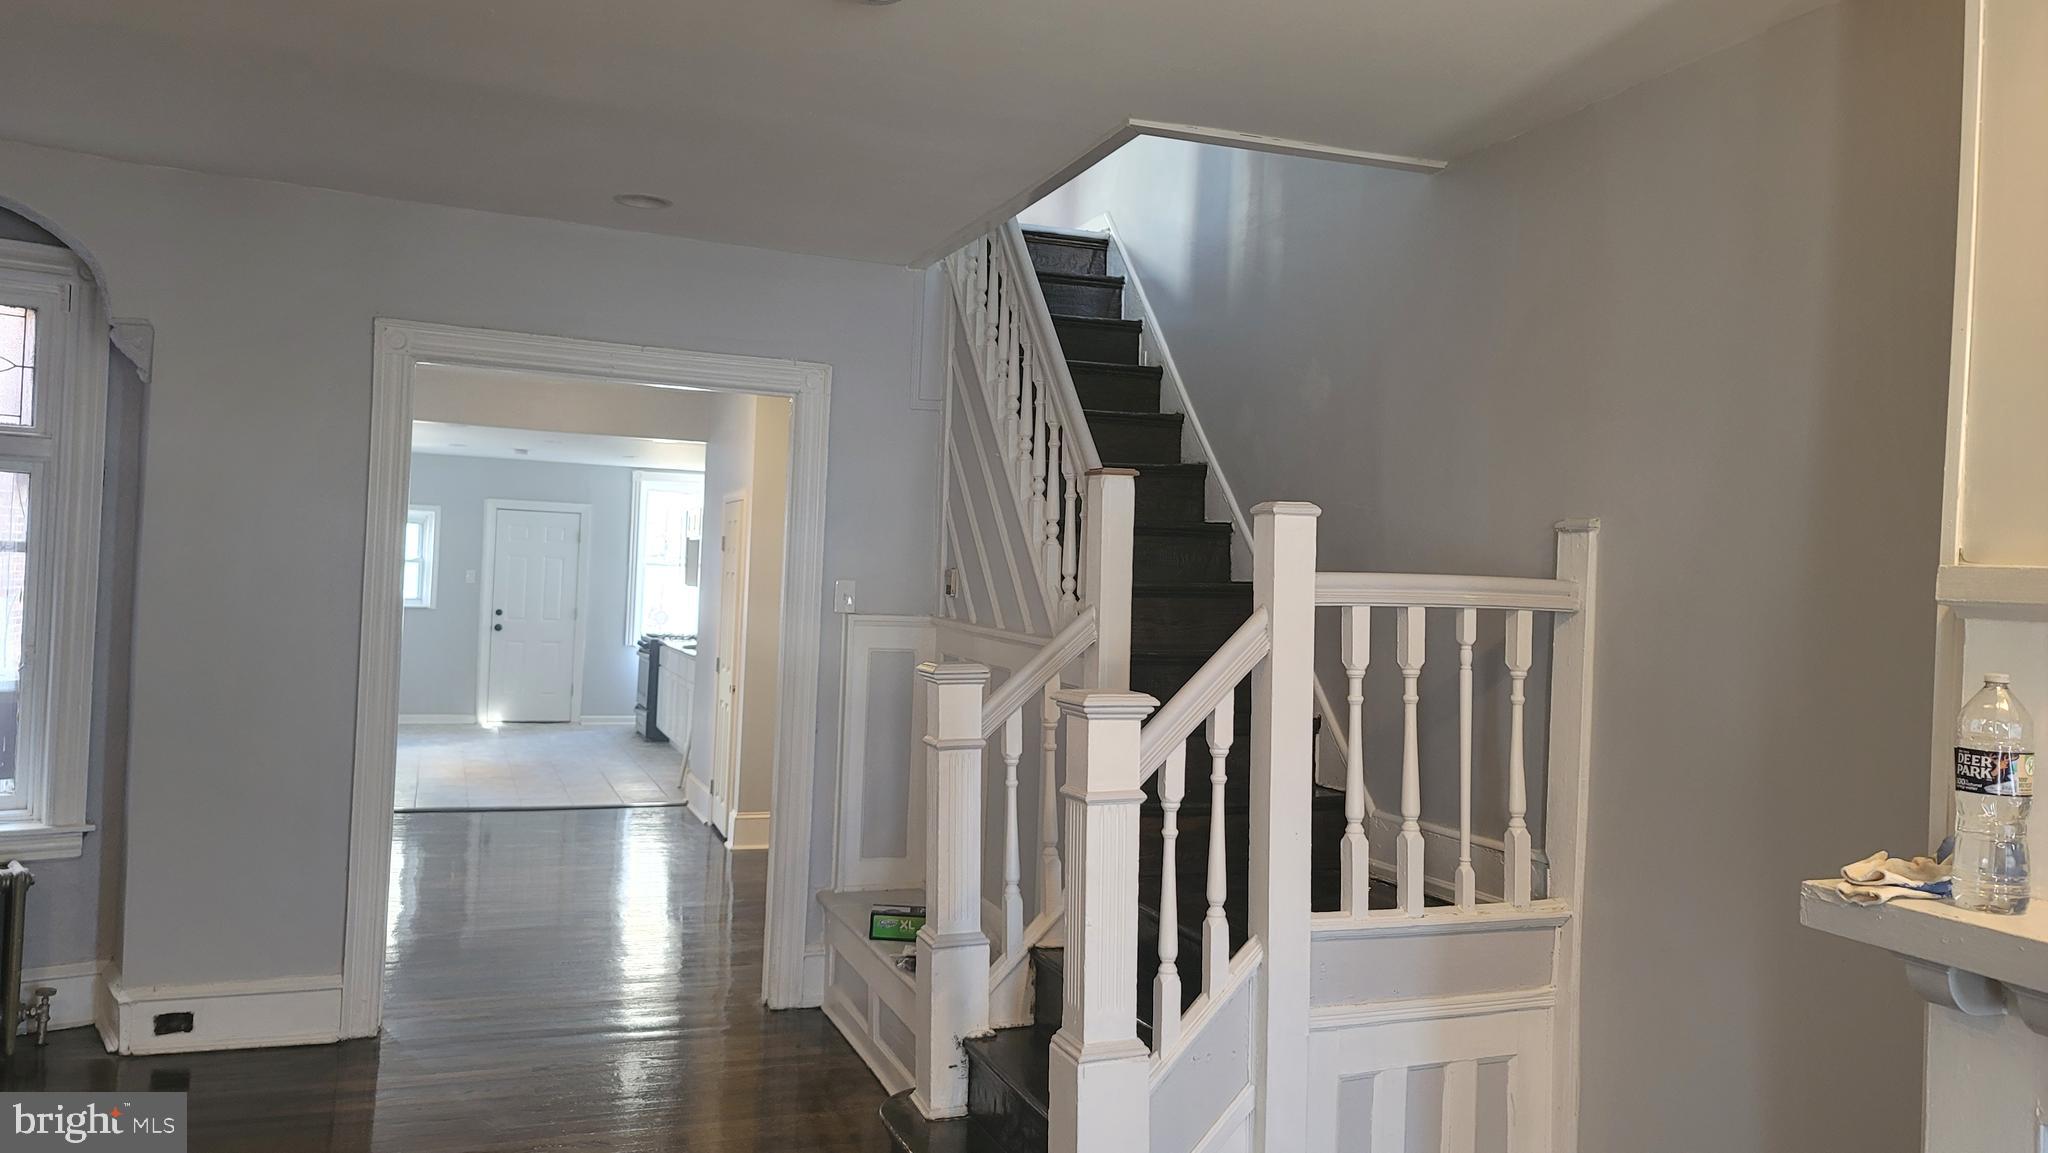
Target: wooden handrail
1027	682
1038	315
1198	698
1432	590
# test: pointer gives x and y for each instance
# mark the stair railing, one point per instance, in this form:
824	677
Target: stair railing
1100	1071
1411	598
1045	444
1004	714
954	975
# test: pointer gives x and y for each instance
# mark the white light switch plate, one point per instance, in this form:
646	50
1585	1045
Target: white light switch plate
842	596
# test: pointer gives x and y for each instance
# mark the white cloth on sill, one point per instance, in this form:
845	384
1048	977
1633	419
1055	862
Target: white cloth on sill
1881	878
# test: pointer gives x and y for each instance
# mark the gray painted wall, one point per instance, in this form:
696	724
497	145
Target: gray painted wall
438	674
747	454
1713	310
263	296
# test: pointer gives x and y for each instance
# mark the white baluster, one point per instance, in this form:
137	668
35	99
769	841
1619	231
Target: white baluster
977	300
1031	465
1468	631
1357	861
1070	539
1013	871
1049	897
1408	850
1215	924
1049	542
1520	645
998	294
1012	377
1030	399
1173	783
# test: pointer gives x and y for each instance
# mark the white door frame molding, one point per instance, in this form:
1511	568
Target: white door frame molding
399	347
725	758
579	655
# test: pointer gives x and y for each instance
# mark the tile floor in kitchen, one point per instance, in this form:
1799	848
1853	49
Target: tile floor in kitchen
533	767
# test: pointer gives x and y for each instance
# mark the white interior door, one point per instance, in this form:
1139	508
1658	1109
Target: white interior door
536	566
732	576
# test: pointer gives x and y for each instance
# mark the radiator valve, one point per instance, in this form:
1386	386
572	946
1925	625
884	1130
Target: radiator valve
37	1011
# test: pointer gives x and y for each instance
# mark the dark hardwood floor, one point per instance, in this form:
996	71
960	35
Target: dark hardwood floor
572	980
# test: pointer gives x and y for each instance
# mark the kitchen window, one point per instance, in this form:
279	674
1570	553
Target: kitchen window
668	553
422	542
53	346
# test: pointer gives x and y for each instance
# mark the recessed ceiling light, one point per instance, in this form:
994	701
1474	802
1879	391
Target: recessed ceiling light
642	201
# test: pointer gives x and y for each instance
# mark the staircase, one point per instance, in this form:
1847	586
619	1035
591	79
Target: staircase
1184	605
1271	965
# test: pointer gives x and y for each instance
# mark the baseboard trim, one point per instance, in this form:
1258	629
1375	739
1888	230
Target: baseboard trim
225	1015
437	719
814	977
625	720
749	831
75	983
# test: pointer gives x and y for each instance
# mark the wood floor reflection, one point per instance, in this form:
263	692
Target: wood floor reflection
575	980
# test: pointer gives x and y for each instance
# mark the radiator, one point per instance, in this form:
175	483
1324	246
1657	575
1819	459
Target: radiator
14	885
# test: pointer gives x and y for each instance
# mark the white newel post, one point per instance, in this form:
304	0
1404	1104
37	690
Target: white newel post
952	952
1106	573
1283	764
1101	1098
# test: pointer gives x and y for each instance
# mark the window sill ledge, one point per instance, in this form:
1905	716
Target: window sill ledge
34	842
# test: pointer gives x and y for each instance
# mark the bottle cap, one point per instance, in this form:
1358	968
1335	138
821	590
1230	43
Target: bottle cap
1997	678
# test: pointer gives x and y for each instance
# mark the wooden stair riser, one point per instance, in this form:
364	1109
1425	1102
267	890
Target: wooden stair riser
1116	387
1187	620
1093	338
1200	554
1074	295
1137	437
1007	1086
1050	253
1174	495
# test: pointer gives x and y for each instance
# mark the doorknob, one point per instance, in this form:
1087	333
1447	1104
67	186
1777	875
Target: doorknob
498	612
497	628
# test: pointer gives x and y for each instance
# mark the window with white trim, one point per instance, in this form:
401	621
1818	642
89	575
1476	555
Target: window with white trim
667	553
52	453
422	542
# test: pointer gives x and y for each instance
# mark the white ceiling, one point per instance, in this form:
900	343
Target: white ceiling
824	126
437	438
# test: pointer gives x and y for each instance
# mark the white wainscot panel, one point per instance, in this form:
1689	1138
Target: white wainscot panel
1465	1075
881	785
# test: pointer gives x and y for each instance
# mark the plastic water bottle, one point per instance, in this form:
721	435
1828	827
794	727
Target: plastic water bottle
1994	789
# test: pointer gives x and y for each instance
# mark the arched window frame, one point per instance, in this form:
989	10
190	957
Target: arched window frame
63	452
